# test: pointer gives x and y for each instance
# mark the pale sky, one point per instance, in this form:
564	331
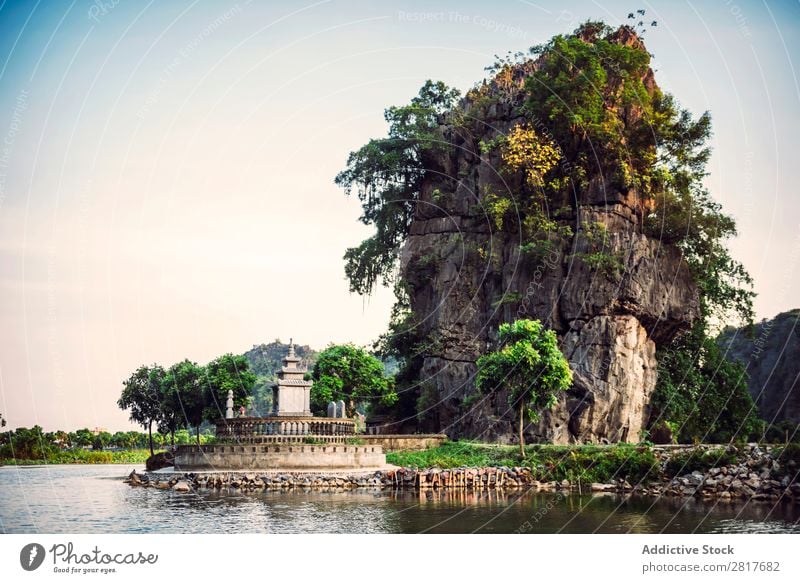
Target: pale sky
166	168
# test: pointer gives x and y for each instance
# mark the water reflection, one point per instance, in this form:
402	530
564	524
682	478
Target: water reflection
56	499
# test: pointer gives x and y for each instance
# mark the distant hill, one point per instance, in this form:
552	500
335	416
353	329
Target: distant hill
265	361
770	350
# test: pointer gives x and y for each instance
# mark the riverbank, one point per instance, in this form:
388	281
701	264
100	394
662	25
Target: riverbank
746	472
84	456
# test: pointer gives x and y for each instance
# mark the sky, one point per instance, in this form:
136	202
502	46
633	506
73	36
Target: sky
166	168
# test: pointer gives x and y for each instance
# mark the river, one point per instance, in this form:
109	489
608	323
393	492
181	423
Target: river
92	499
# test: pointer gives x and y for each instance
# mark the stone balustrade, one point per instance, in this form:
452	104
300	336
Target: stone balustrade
247	428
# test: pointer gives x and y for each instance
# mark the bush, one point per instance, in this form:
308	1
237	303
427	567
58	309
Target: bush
581	463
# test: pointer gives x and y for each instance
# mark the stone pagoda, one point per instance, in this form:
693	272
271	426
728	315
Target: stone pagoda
291	395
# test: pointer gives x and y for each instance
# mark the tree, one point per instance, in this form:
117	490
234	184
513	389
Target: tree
223	374
170	417
123	440
2	421
101	440
83	438
142	395
348	373
184	394
29	444
530	366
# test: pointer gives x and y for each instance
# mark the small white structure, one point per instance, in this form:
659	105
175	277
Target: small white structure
291	395
229	406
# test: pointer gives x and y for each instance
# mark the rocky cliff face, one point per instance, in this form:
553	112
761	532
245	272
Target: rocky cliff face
770	353
465	276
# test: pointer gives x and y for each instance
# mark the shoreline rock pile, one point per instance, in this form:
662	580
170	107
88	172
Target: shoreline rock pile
755	474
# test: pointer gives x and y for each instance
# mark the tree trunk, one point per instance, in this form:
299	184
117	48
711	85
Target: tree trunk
150	434
521	429
197	432
351	409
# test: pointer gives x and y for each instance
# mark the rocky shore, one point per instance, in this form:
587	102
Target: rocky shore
754	474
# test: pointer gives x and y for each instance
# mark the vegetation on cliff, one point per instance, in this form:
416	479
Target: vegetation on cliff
585	116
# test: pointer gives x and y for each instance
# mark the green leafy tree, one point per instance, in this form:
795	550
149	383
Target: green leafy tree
348	373
530	366
227	373
184	394
142	396
83	438
123	439
101	441
29	443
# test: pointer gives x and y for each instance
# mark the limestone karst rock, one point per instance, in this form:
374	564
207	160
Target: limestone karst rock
465	276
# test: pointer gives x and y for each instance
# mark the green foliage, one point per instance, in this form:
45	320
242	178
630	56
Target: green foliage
35	446
82	438
142	395
348	373
101	441
599	255
529	365
26	443
313	441
79	456
686	462
586	463
387	174
508	298
587	88
184	393
702	393
226	373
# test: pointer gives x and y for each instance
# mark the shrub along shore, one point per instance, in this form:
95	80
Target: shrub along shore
723	472
83	456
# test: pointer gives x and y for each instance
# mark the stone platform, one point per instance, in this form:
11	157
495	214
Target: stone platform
281	456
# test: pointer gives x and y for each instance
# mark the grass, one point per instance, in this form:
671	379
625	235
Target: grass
83	456
579	463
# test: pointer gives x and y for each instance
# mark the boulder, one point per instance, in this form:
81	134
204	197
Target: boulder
164	459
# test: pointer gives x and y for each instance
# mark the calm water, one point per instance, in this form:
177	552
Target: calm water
88	499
